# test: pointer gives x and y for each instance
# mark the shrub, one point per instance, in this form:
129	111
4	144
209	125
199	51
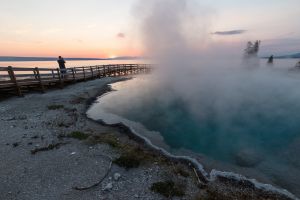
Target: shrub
168	189
78	135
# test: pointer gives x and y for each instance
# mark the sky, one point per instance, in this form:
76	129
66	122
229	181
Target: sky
108	28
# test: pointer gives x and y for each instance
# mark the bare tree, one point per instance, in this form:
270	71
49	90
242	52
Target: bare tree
252	48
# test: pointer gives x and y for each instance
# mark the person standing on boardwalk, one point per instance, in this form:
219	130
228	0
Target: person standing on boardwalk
61	62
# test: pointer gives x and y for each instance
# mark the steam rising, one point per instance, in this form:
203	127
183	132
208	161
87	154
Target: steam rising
242	108
204	98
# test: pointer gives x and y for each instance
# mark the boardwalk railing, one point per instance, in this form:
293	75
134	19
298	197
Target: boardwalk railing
16	80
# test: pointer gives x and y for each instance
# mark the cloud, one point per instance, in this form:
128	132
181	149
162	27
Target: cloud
121	35
232	32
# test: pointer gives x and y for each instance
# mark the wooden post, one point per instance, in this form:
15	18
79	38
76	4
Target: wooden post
73	74
14	80
92	71
98	69
61	83
38	76
105	70
108	70
52	71
84	74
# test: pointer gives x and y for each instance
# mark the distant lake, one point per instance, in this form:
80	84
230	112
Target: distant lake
278	63
71	63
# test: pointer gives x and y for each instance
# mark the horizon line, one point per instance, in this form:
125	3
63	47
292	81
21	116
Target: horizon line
51	58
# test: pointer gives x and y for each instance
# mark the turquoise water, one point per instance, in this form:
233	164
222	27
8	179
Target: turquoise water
247	119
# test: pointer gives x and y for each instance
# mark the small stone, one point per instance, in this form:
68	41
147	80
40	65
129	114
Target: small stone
117	176
108	186
15	144
73	153
24	117
136	196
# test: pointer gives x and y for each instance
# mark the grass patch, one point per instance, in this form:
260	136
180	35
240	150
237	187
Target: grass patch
107	138
168	189
78	135
127	161
55	107
133	157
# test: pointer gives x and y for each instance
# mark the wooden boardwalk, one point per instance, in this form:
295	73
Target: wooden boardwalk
17	81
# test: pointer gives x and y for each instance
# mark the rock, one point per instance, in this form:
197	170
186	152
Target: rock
108	186
15	144
136	196
22	117
117	176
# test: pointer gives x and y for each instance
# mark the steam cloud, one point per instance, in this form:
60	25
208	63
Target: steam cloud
176	34
244	103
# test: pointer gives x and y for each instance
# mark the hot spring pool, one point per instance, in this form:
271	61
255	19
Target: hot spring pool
246	121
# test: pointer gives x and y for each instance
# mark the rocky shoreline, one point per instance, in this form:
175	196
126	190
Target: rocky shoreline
51	150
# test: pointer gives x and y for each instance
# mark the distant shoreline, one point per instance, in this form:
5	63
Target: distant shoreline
30	59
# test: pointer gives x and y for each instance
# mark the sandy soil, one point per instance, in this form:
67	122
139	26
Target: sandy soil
39	120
